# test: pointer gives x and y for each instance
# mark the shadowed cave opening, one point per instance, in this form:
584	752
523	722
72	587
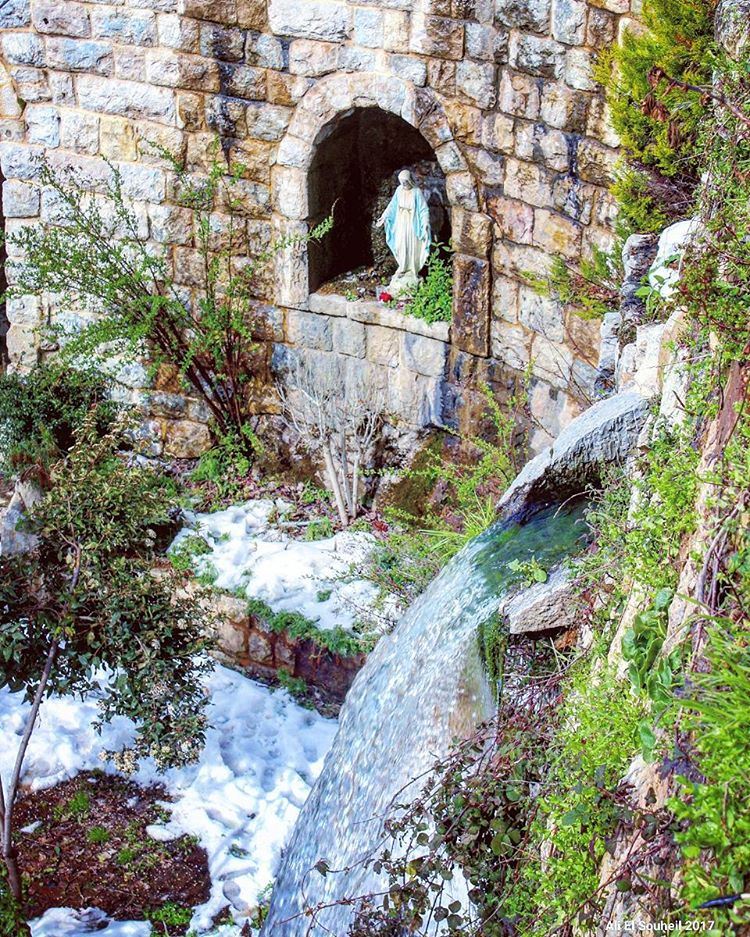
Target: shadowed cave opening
353	176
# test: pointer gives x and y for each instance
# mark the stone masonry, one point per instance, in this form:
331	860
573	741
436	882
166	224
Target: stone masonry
501	90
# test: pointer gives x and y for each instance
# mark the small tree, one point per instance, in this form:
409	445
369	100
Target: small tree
97	254
338	421
88	599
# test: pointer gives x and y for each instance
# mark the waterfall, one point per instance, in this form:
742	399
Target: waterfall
421	687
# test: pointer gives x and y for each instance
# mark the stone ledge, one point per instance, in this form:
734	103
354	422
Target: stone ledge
371	312
246	642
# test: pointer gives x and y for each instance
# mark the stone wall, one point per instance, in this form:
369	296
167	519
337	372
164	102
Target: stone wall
501	90
245	641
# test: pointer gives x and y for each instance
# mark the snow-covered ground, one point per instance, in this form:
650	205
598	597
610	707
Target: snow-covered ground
258	558
262	755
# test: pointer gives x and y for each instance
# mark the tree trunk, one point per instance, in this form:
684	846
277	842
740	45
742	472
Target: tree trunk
335	486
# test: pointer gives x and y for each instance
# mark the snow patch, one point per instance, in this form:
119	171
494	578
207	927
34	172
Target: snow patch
263	752
251	556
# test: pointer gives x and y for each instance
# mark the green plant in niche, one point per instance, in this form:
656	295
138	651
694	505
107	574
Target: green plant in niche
319	529
433	297
528	571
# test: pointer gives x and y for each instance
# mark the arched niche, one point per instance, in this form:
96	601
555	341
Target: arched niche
329	108
353	169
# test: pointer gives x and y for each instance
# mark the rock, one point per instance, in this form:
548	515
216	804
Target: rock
605	433
544	606
638	254
12	540
185	439
732	26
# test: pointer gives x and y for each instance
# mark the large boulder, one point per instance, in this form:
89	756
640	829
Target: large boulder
544	606
604	434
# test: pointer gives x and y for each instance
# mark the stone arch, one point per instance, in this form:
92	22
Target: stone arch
336	97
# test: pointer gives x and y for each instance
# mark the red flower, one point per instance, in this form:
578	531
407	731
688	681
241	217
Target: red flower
385	297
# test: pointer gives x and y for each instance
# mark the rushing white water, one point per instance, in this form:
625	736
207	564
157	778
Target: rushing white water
421	687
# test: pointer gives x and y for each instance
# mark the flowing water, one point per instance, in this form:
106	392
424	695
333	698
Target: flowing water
422	686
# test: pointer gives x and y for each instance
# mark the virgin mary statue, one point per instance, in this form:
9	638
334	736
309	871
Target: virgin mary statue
407	232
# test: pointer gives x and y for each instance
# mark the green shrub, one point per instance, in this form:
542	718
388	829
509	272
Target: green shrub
658	121
433	297
97	255
41	411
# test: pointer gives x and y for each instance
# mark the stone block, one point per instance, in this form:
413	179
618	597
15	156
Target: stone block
578	69
564	108
79	131
498	133
80	55
511	345
514	219
601	28
222	42
265	51
596	162
171	224
15	14
382	345
441	76
552	361
471	304
313	19
556	234
519	95
396	24
368	27
178	32
423	355
438	37
61	19
42	124
214	11
23	49
267	122
487	166
472	232
184	439
410	69
461	190
349	338
504	299
485	42
540	314
541	144
117	138
241	81
416	399
126	98
30	84
130	62
309	330
476	81
524	14
536	55
132	27
358	59
20	199
312	58
569	21
252	14
24	311
528	183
